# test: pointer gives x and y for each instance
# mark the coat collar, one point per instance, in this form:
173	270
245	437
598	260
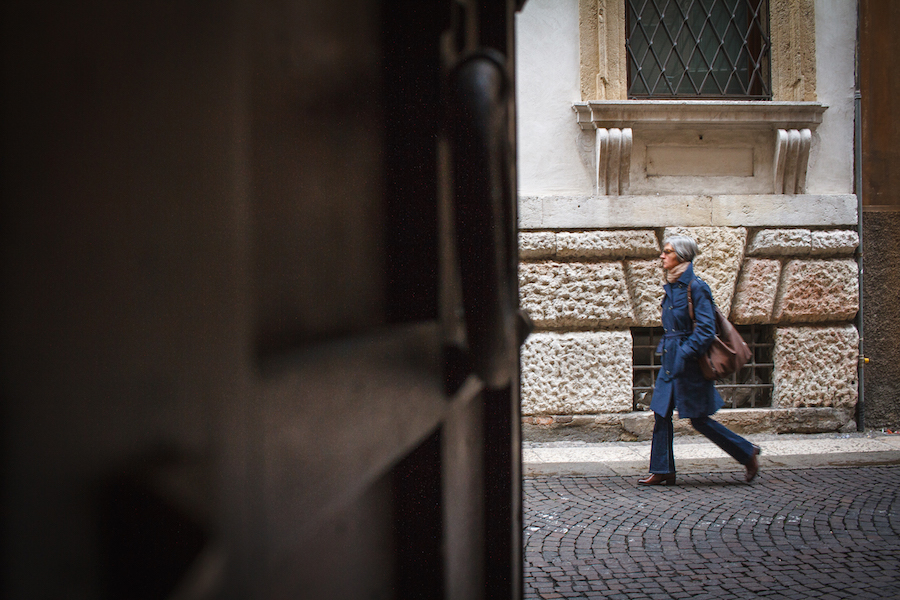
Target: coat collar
688	275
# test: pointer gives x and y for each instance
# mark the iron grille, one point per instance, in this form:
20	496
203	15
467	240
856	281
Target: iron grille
698	48
749	388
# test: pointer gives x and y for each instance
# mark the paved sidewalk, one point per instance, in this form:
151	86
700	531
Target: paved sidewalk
696	454
822	520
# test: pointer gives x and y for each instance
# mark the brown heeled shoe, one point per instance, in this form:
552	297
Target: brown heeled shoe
658	479
753	465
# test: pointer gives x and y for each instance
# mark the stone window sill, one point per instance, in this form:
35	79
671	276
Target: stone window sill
700	146
727	113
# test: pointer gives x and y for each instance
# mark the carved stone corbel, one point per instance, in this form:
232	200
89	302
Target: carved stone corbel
791	160
612	155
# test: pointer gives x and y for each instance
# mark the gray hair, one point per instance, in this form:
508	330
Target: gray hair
684	246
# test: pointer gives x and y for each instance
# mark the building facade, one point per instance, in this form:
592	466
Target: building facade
735	124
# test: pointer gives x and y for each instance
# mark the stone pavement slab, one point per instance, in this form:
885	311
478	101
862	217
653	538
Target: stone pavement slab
695	454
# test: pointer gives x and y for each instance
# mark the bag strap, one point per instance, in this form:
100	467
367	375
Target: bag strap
691	302
691	307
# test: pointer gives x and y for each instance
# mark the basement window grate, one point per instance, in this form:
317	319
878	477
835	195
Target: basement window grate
751	387
698	49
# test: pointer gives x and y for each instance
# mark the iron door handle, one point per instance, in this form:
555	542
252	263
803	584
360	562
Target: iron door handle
484	216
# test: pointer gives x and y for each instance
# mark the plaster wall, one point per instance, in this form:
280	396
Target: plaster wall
831	156
554	154
556	157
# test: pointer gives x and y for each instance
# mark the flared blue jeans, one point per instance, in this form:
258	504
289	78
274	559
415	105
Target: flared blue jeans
662	454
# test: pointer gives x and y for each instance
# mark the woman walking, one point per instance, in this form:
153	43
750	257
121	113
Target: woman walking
680	384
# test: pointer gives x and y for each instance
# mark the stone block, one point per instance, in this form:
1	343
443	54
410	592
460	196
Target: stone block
575	295
817	290
639	424
580	428
621	212
537	244
576	373
816	366
645	284
618	244
834	243
815	420
780	242
784	210
721	255
531	209
746	421
635	426
754	297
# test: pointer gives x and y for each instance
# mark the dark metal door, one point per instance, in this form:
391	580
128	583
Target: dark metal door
259	324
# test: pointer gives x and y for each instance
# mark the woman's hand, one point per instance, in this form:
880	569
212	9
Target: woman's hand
679	363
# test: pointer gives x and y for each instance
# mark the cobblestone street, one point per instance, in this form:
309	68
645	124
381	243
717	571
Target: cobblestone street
794	533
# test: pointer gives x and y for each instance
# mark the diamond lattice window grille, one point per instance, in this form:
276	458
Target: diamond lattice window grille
698	48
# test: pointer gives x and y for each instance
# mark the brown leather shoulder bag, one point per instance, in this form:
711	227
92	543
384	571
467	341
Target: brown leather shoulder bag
727	353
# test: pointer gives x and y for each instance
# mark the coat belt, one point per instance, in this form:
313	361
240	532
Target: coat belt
675	334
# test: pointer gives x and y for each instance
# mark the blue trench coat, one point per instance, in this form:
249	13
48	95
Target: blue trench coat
680	379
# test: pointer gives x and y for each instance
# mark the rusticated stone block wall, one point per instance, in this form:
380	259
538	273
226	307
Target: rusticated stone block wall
816	366
585	289
575	295
581	372
721	255
754	298
817	290
644	278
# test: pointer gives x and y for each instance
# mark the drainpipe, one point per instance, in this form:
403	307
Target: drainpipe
857	168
